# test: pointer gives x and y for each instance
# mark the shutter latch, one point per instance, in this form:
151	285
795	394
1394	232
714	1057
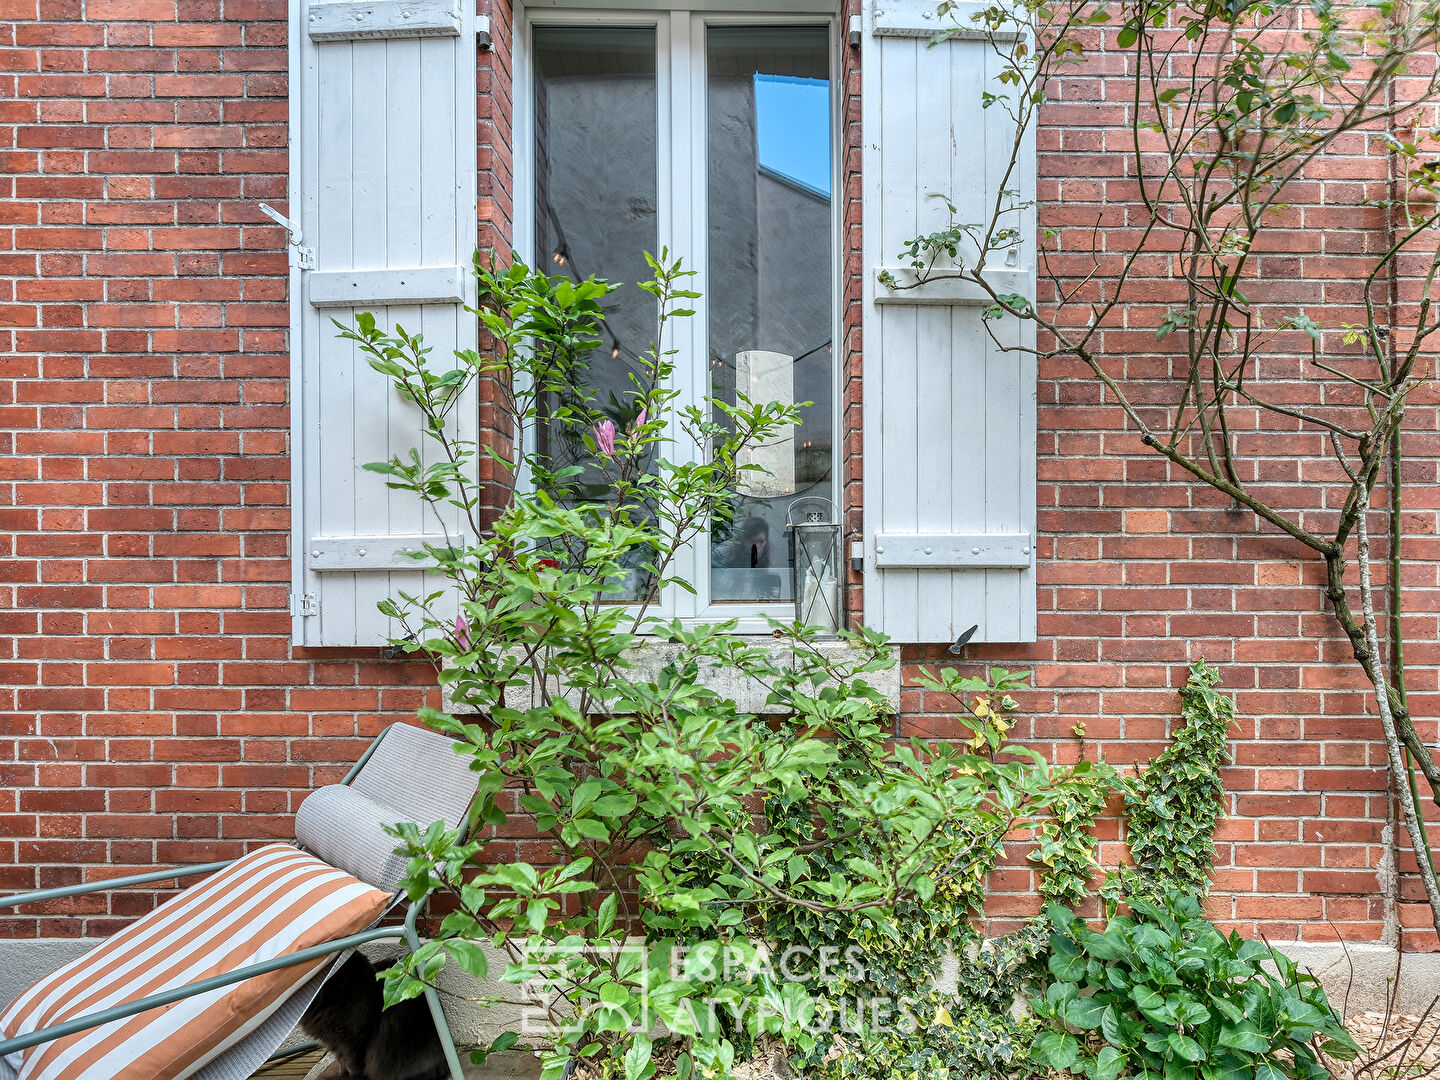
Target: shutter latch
305	605
304	256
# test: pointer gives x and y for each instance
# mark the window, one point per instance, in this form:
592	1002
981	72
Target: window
711	135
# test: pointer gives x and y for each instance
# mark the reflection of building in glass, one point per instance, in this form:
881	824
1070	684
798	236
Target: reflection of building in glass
768	155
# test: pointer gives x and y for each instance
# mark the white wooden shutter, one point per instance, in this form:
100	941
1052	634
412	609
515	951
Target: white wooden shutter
382	185
949	417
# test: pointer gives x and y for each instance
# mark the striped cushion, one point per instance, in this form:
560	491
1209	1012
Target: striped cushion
274	901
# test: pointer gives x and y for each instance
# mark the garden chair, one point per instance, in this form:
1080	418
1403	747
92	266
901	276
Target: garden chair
223	971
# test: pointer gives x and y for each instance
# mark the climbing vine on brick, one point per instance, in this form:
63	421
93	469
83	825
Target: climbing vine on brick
1173	807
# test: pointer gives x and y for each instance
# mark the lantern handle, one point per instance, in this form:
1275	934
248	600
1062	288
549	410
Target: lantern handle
826	508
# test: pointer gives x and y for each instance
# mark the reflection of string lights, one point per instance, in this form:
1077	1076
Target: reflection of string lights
718	361
559	258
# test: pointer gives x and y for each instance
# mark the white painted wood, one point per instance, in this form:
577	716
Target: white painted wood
382	288
339	20
383	184
327	554
931	550
917	19
949	401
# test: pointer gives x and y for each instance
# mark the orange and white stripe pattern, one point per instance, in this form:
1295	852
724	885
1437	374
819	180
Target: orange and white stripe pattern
274	901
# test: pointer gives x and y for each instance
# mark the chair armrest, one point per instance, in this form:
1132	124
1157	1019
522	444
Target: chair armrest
111	883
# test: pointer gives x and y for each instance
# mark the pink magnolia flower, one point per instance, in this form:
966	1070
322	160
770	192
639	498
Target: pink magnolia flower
640	420
605	437
462	632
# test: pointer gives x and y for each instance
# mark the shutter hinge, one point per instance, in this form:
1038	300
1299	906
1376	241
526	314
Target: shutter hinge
305	605
304	256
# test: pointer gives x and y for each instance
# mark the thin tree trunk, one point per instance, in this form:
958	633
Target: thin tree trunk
1413	824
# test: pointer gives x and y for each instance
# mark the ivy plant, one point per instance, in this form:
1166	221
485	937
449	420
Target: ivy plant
1173	807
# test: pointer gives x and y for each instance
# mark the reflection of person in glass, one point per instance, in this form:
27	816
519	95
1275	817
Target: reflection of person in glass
751	547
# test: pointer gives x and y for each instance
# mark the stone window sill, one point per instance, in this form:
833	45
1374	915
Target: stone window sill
749	695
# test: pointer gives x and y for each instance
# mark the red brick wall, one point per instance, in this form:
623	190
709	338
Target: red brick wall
152	709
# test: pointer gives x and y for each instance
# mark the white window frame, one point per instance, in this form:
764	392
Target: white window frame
680	35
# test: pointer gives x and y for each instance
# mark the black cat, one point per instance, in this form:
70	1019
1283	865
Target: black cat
371	1042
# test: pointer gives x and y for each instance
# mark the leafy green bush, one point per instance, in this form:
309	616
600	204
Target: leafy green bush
1165	994
976	1030
668	832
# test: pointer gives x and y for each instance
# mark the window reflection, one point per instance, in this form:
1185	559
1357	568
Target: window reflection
769	281
595	215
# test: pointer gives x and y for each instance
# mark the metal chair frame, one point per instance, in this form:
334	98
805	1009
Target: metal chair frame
407	933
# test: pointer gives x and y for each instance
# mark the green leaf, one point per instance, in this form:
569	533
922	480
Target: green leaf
1146	998
584	795
1085	1013
1184	1047
613	993
1246	1037
605	916
469	956
1116	1029
1109	1064
637	1058
1057	1049
504	1041
1065	962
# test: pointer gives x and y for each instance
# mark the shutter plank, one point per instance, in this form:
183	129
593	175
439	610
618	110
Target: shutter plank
331	492
374	91
970	438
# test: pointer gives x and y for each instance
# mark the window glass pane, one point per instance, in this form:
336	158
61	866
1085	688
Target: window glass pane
769	292
595	214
